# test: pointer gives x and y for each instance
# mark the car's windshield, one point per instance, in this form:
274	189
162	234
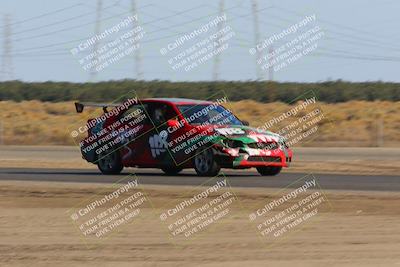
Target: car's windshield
208	114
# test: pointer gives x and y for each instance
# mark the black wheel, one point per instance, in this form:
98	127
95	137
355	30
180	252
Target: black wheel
171	170
110	162
205	164
269	170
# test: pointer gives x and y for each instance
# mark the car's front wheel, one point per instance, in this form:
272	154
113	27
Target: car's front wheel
205	164
110	162
269	170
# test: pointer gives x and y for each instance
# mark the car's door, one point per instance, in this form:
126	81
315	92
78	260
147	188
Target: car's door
160	136
137	125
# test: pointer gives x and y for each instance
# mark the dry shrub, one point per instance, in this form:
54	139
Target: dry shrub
37	123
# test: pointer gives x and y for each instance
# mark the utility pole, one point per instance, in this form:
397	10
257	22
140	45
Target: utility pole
217	59
7	71
257	39
138	58
97	28
271	67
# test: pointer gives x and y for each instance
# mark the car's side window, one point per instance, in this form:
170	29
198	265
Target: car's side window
136	114
161	113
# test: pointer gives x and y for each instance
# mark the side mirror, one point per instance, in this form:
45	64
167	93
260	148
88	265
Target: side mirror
173	123
246	123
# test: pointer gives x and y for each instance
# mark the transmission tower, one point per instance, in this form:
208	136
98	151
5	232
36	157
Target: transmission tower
7	71
96	44
217	58
138	58
257	38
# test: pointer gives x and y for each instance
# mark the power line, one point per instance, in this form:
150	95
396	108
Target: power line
85	38
228	20
66	20
348	40
60	21
70	28
368	57
72	41
362	32
85	24
338	55
147	41
161	29
364	41
41	16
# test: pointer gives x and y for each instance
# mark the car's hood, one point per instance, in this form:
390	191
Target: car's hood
245	134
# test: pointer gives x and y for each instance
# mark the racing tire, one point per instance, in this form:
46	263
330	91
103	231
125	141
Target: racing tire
205	164
171	170
110	163
269	170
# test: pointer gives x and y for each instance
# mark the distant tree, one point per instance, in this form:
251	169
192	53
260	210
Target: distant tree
329	91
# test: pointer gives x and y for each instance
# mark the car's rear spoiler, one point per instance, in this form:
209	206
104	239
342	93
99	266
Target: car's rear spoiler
79	106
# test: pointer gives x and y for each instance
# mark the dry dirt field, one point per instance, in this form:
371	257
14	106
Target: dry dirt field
354	123
358	229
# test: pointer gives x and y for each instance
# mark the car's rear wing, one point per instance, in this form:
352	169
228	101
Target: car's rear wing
79	106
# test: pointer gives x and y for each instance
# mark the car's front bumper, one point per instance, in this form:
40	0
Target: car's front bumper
248	158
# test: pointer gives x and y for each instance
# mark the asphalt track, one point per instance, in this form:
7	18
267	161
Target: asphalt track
301	153
188	177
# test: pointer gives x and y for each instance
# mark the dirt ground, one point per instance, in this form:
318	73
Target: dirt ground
355	229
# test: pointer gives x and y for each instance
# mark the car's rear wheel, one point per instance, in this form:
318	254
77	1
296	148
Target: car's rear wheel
205	164
110	162
171	170
269	170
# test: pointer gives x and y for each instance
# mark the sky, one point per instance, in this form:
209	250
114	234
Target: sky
357	40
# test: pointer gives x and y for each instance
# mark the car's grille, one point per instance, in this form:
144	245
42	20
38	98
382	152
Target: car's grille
269	145
264	158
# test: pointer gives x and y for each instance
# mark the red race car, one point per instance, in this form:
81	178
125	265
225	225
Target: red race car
174	133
